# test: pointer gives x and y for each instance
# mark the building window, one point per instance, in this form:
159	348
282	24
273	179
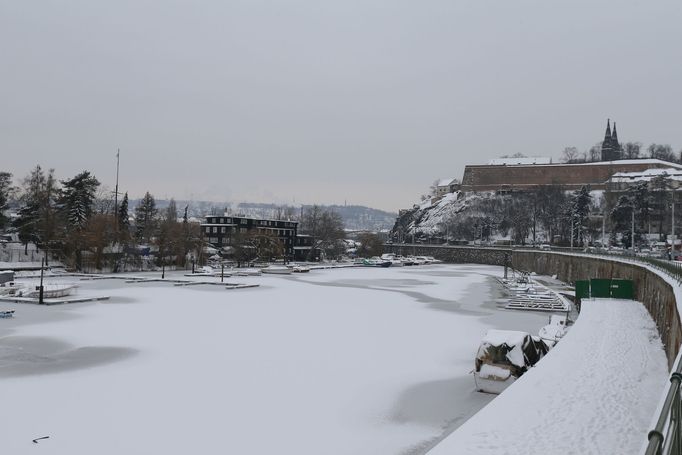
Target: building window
215	230
242	221
222	230
207	229
242	230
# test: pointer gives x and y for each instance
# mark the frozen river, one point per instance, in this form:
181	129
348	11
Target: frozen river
343	361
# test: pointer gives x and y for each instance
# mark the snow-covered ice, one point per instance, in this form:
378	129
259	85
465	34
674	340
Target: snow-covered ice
594	393
346	361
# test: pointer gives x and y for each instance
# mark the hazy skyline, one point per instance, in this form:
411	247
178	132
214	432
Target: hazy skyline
324	102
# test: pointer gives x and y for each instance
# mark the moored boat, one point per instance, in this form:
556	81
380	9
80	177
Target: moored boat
50	291
277	270
503	356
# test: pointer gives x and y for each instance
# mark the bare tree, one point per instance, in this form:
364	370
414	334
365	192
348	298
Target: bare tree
631	150
570	154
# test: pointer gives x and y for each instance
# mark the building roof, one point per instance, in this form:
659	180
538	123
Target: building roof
446	182
249	218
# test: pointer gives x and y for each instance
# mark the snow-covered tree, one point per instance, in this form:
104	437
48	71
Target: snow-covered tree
145	218
5	190
77	199
37	220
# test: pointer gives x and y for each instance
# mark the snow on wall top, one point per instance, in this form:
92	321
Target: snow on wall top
520	161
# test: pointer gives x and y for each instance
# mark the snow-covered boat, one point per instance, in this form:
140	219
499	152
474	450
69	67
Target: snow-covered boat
296	268
409	260
555	330
6	314
11	288
503	356
277	270
376	262
50	291
246	272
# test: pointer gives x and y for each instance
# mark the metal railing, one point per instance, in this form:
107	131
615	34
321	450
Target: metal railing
666	437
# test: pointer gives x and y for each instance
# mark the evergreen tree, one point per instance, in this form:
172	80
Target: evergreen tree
75	206
578	211
77	199
145	218
659	188
123	216
5	190
636	199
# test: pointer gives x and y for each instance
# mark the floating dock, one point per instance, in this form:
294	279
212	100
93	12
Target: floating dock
53	301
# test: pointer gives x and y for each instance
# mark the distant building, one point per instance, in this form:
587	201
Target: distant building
303	249
610	148
219	231
446	186
623	180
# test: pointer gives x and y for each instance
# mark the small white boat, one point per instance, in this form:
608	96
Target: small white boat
246	272
300	268
277	270
6	314
50	291
555	330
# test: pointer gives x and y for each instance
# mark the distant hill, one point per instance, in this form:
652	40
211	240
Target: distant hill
355	217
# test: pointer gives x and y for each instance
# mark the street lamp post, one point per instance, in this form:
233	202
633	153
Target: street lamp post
572	231
632	242
673	186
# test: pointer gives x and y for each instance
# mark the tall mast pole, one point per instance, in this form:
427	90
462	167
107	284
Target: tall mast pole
118	152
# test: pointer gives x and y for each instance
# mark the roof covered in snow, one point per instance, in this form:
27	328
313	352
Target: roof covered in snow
446	182
647	175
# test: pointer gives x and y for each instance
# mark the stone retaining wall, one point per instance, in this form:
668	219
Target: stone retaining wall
653	291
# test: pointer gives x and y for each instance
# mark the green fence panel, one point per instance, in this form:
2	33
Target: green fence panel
582	289
622	289
600	288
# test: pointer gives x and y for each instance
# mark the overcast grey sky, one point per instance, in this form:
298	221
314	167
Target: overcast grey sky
324	101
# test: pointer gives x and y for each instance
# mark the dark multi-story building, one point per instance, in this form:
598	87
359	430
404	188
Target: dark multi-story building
220	230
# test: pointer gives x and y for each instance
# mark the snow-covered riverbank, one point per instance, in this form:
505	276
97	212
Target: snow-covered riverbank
361	361
595	393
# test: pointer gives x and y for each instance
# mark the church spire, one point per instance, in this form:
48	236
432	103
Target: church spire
607	136
607	148
614	137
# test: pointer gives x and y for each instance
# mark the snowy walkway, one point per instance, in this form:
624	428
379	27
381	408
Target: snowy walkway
594	394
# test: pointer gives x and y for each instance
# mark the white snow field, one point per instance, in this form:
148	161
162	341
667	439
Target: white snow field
595	393
345	361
